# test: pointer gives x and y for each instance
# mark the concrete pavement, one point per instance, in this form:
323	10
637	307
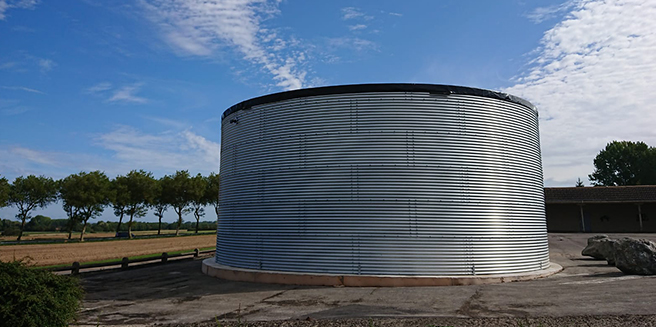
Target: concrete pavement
179	293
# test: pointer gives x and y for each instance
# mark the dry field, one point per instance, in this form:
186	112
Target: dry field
67	253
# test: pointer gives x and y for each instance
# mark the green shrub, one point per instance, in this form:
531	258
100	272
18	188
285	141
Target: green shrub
32	297
9	227
11	230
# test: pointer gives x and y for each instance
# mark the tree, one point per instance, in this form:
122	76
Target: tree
119	198
625	163
4	192
212	193
175	192
9	227
29	193
39	223
197	189
73	214
159	204
140	191
579	183
86	195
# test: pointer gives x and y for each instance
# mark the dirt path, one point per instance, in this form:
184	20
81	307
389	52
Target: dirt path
66	253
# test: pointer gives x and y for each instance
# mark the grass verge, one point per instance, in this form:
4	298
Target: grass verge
118	260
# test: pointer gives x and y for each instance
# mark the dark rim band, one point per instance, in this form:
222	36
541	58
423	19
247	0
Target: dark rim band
364	88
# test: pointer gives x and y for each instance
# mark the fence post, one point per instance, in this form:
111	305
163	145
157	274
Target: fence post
124	262
196	253
165	257
76	268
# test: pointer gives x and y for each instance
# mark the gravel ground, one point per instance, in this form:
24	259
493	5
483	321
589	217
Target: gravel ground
587	321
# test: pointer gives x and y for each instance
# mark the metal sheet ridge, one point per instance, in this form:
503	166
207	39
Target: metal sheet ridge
386	183
440	89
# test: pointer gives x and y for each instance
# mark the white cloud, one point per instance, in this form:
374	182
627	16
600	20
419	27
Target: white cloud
357	27
127	94
100	87
11	4
12	107
395	14
538	15
592	80
21	88
24	62
356	16
3	8
14	110
24	4
210	151
46	65
354	13
165	152
200	28
124	94
353	43
130	148
8	65
19	160
35	156
23	29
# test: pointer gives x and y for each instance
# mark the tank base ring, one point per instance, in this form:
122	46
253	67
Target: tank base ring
211	268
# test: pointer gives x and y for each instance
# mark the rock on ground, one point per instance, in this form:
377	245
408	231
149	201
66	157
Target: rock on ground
601	247
596	238
635	257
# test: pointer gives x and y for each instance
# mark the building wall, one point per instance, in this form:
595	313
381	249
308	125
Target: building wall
603	218
649	217
563	218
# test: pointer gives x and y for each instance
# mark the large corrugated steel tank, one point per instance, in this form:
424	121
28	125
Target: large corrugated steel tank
382	179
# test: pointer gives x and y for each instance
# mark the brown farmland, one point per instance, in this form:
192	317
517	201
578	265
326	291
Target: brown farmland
67	253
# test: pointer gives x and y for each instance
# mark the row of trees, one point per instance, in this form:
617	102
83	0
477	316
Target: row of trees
85	195
40	223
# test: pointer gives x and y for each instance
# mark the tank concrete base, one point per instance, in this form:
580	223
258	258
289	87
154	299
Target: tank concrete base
211	268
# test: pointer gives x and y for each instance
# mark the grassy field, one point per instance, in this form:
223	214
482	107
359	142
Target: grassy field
67	253
154	255
28	236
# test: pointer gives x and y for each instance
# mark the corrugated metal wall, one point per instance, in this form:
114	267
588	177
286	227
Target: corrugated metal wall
393	183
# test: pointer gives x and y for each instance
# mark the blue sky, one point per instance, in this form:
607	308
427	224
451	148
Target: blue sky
121	85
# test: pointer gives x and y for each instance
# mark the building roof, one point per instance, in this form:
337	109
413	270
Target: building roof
601	194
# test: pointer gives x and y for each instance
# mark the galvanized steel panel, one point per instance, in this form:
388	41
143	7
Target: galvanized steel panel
383	183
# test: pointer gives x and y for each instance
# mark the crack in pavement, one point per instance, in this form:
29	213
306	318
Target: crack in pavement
467	308
277	294
475	307
239	313
375	289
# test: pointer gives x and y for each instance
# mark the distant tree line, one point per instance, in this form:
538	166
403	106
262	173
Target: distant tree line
84	196
40	223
